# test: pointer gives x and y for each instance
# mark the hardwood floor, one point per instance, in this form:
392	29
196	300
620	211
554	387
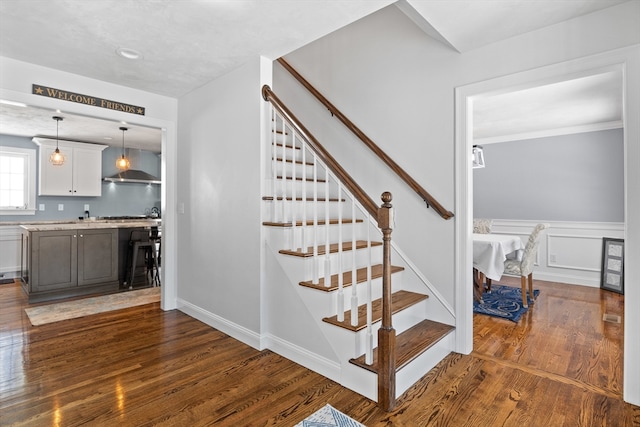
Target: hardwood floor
561	365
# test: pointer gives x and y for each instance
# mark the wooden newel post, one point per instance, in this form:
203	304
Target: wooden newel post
386	333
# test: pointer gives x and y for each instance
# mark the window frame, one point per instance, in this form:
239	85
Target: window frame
30	188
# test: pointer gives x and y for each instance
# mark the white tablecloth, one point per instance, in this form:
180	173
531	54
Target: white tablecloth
490	251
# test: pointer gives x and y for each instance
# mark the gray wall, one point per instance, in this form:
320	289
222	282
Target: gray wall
577	177
116	199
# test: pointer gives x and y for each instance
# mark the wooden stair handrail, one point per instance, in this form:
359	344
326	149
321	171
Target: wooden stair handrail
424	194
360	195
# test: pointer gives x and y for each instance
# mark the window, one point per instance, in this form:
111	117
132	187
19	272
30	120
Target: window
17	181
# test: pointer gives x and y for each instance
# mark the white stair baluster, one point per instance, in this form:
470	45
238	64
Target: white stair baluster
369	343
340	275
274	166
354	268
305	229
327	243
283	188
316	262
293	192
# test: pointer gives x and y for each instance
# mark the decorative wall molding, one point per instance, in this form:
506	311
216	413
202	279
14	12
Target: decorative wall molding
569	252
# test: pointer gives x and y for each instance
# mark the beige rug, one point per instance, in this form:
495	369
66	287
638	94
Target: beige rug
50	313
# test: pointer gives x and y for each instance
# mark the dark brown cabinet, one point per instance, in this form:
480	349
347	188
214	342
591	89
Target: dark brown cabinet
64	263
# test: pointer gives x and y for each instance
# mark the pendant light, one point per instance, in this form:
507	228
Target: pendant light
123	163
56	158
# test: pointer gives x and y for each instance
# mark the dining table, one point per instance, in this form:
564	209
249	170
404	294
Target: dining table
489	253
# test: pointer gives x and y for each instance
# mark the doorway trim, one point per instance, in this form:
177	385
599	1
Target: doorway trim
625	59
168	166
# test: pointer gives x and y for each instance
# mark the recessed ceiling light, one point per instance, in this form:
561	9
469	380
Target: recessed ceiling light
125	52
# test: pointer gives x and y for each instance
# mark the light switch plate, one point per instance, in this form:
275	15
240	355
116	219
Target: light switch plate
60	207
41	207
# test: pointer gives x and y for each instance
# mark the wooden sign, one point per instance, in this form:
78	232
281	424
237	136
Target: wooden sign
78	98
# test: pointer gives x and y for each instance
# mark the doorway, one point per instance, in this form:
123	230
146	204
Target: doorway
617	60
168	162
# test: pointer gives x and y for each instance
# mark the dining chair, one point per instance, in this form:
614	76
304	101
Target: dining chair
482	225
524	267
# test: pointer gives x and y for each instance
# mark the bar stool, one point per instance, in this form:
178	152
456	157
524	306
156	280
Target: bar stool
155	236
139	241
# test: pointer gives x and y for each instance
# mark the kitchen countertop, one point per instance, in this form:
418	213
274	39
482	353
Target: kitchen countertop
89	224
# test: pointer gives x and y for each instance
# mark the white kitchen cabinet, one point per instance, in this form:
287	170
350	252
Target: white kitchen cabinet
10	239
81	173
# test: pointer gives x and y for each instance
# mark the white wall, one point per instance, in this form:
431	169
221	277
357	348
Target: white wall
219	186
398	86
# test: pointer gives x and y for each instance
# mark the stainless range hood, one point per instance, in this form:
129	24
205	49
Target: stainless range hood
133	175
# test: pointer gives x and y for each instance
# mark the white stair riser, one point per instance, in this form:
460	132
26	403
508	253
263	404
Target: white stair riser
305	267
281	138
298	208
298	188
401	321
361	292
284	235
301	169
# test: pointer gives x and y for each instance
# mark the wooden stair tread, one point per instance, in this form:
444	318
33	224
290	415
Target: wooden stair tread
361	276
333	248
298	162
399	301
300	178
299	199
295	147
309	222
410	344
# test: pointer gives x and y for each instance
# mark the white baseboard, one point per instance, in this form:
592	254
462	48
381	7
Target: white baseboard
312	361
323	366
236	331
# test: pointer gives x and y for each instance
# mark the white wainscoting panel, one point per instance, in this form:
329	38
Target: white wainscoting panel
574	252
569	252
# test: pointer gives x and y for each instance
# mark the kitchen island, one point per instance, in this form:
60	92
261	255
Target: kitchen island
66	259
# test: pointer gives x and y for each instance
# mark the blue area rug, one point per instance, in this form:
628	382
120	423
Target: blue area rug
504	302
328	417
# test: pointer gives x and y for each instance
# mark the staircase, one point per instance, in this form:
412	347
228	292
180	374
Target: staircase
333	244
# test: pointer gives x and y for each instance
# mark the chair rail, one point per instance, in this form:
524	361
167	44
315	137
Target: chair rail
412	183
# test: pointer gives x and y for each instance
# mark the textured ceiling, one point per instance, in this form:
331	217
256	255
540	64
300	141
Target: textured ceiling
578	105
185	44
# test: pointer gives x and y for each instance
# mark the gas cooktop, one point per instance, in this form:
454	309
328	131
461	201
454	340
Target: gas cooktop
127	217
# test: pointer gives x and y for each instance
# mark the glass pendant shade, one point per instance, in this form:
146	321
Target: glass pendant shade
122	162
57	158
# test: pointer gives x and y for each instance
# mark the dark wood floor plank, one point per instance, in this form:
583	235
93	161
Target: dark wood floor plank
560	365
